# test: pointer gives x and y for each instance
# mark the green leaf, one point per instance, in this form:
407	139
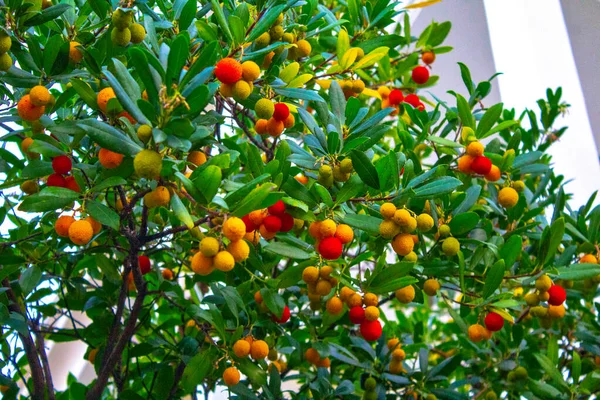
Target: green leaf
198	368
50	13
103	214
364	168
109	137
108	182
187	14
265	23
324	194
343	43
216	7
472	195
30	279
493	278
338	102
442	185
85	92
208	182
49	199
177	58
127	90
576	367
366	223
466	77
510	250
464	112
549	248
551	370
273	301
253	200
181	212
287	250
463	223
489	119
389	273
499	128
577	272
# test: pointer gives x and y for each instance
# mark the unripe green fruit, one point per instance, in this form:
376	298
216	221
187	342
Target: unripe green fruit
338	175
144	133
511	376
279	19
138	33
431	396
120	37
122	19
293	53
567	284
519	186
520	373
147	164
346	165
539	311
491	396
444	230
241	90
370	396
263	40
264	108
326	181
451	247
370	383
325	171
273	355
532	299
5	62
276	33
5	42
288	37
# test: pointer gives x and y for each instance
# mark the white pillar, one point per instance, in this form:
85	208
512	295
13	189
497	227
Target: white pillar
531	47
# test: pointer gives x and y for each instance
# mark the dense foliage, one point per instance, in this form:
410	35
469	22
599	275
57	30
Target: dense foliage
267	198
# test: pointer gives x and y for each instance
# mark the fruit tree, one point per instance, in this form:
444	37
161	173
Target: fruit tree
267	199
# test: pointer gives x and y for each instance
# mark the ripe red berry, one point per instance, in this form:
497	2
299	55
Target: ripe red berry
285	316
277	208
272	223
481	165
357	315
413	100
228	71
494	322
281	112
71	183
420	74
558	295
250	227
287	223
56	180
371	330
396	97
330	248
62	165
144	263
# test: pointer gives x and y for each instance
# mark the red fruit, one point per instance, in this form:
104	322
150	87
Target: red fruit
371	330
558	295
420	106
144	263
330	248
277	208
272	223
228	71
287	223
56	180
420	74
494	322
62	165
357	315
481	165
413	100
250	227
285	317
281	112
71	183
396	97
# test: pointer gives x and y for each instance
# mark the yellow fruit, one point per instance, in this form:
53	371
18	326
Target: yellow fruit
304	48
239	249
250	71
234	228
475	149
323	287
325	272
519	186
241	348
543	296
224	261
62	225
276	33
508	197
358	86
588	259
424	222
398	354
393	343
464	164
543	283
196	158
138	33
202	265
159	197
401	217
451	247
147	164
532	299
396	367
388	229
263	40
371	313
226	90
122	19
370	299
30	187
241	90
334	306
120	37
403	244
345	293
209	246
96	226
383	91
40	96
539	311
264	109
75	54
431	287
444	230
477	333
231	376
5	42
310	275
411	257
405	295
354	300
259	349
144	133
344	233
81	232
327	228
467	134
556	311
5	62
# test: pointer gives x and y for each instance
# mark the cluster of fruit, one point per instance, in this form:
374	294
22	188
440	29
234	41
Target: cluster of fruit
32	106
474	162
80	232
236	78
5	45
103	98
319	283
302	48
352	87
273	118
554	295
394	98
125	30
339	173
159	197
397	356
285	313
364	311
242	348
330	238
145	267
62	165
399	225
211	256
268	222
493	323
312	356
